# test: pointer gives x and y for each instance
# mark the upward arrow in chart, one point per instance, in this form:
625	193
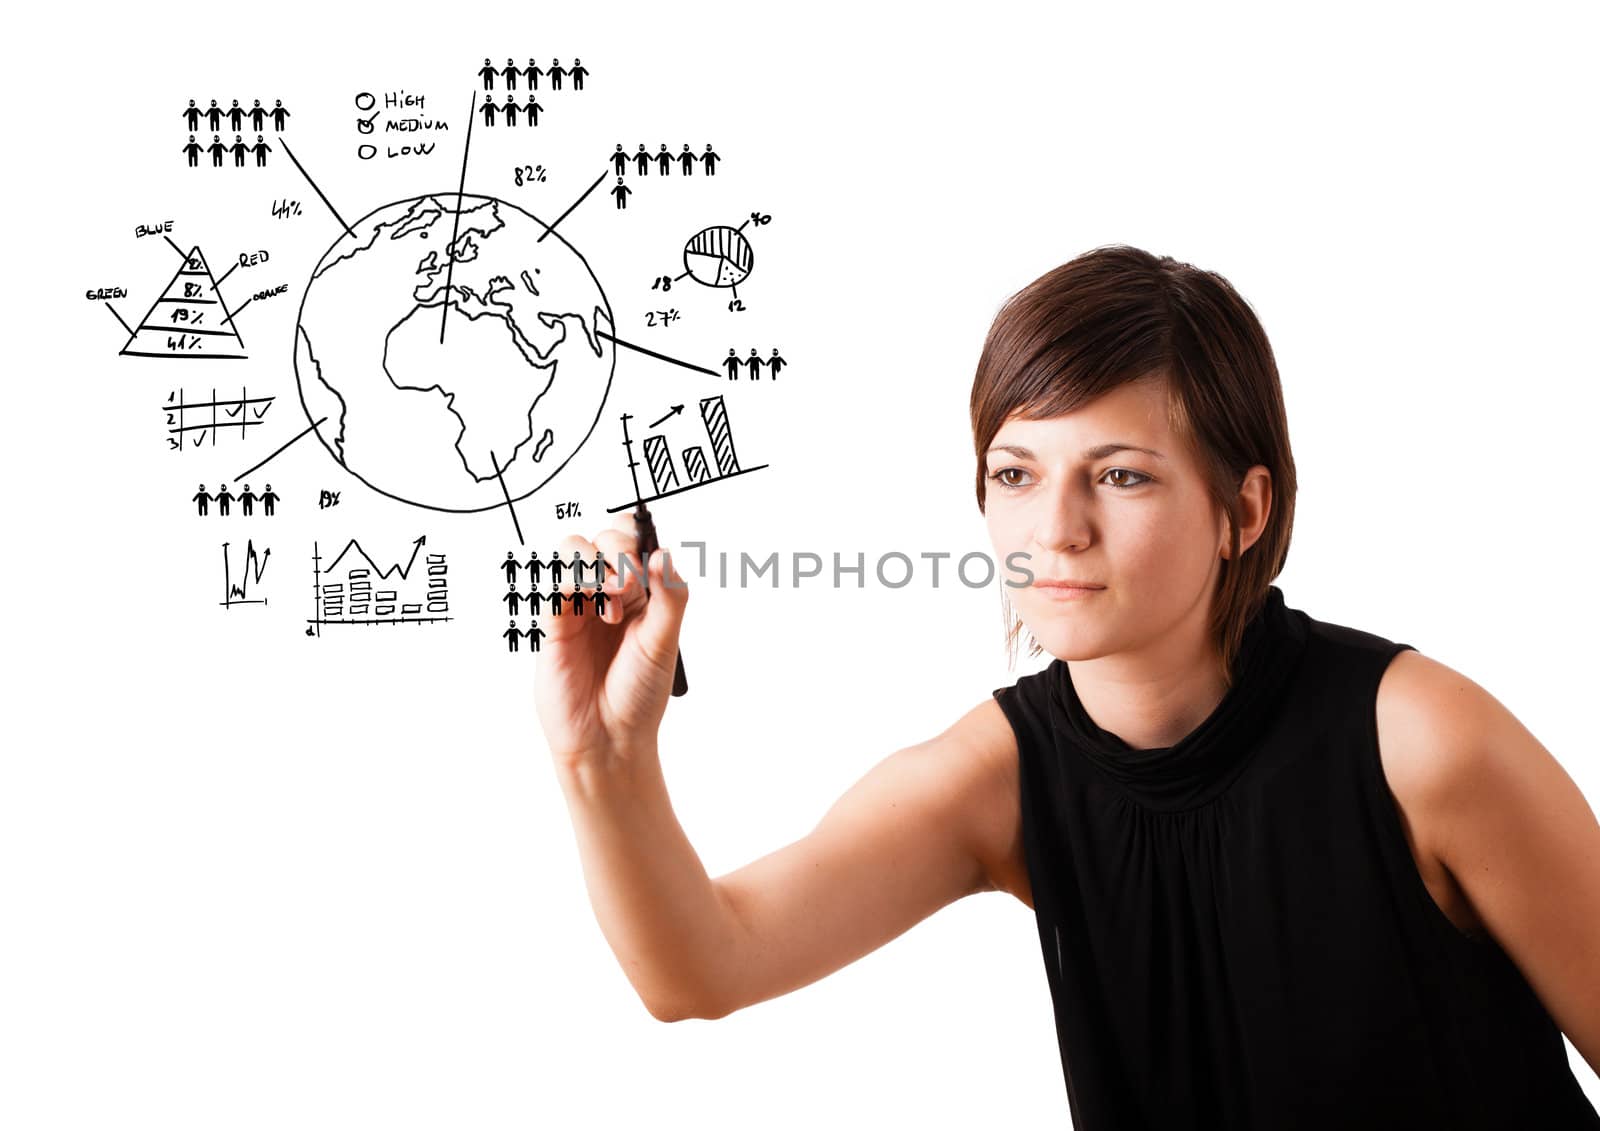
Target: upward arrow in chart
189	319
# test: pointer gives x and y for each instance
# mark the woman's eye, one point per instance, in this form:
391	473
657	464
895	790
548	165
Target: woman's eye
1141	477
1004	477
1000	477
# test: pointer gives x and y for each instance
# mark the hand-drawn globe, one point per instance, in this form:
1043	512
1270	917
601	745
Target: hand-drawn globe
449	356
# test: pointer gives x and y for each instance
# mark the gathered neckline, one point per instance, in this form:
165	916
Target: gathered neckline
1203	762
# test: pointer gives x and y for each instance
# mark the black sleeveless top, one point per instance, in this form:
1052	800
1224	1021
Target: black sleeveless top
1235	933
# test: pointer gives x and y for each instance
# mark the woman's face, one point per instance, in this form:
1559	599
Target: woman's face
1075	502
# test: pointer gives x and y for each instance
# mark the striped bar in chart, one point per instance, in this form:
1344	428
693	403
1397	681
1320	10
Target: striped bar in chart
658	459
715	415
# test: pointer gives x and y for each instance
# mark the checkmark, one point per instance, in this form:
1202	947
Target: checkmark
364	125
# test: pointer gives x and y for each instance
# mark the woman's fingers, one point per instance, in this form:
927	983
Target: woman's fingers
623	583
663	615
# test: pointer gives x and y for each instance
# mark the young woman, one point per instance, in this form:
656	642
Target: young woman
1286	874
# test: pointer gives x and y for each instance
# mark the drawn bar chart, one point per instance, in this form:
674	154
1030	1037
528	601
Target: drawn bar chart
663	471
344	590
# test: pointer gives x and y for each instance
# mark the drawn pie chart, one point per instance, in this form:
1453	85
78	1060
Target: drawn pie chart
718	256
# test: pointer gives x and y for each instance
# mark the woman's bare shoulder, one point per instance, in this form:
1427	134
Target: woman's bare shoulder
983	752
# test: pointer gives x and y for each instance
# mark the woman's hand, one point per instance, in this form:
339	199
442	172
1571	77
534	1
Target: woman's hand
603	681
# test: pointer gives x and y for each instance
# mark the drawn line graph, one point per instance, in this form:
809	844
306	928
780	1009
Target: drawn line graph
343	592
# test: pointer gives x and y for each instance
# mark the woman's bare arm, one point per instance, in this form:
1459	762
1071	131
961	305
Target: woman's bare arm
927	825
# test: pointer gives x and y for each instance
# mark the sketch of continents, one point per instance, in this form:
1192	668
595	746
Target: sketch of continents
453	411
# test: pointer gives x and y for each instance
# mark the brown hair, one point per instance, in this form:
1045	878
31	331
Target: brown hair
1118	314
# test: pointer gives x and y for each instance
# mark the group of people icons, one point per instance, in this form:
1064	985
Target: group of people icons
246	499
508	110
572	603
236	115
555	566
663	159
511	73
533	632
193	149
732	363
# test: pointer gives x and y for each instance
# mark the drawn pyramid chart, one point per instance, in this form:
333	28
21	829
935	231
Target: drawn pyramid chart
189	319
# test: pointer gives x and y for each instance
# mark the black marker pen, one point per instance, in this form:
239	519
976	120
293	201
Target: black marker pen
646	544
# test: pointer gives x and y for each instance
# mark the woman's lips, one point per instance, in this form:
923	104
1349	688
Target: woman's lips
1066	592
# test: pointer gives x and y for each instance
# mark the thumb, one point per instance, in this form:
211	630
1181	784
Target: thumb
663	613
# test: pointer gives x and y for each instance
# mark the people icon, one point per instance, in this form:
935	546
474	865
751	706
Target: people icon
279	114
512	599
238	149
732	363
580	567
555	72
236	116
191	115
578	72
509	109
489	111
534	634
513	635
214	116
193	150
258	116
663	159
532	110
511	566
510	73
247	500
621	192
488	72
535	567
217	151
532	74
261	149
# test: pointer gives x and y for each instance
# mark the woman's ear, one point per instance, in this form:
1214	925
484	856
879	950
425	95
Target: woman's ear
1254	506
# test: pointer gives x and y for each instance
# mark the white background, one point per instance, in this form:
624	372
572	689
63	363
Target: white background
252	880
